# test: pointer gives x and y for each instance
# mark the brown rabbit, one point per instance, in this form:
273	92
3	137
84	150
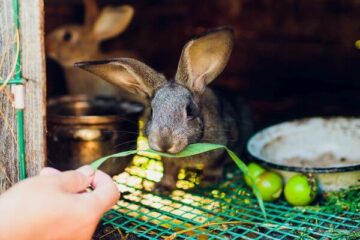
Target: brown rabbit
72	43
184	110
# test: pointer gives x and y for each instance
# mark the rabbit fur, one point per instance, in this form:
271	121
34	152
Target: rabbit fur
184	110
72	43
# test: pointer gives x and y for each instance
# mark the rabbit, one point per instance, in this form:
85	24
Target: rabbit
184	110
72	43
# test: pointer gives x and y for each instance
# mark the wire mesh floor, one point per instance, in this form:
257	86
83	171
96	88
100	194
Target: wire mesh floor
225	211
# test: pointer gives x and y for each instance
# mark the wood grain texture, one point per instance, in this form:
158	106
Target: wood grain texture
8	142
33	70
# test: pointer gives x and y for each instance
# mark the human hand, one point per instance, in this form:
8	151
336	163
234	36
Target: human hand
55	205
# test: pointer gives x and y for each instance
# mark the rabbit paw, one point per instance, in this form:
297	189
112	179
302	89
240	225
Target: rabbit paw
163	189
211	176
166	185
209	181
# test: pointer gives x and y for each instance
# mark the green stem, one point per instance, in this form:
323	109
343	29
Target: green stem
19	112
21	143
17	76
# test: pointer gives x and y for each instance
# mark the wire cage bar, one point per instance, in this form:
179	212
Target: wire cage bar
225	211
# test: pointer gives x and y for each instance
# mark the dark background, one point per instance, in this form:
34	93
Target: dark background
291	58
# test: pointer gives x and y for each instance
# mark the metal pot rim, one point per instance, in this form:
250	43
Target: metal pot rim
259	159
53	117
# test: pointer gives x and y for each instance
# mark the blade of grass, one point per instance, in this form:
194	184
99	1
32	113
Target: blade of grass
191	150
97	163
242	166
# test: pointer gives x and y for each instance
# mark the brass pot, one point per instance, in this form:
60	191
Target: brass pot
84	128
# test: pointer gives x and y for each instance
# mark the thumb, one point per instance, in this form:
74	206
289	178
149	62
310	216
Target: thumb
76	181
105	193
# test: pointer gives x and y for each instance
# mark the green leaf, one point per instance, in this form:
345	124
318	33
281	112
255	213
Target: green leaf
191	150
97	163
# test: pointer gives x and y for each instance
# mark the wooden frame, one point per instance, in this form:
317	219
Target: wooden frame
31	17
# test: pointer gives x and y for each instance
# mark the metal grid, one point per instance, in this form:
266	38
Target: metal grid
225	211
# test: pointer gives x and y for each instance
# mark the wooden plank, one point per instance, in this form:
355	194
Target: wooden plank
33	70
8	143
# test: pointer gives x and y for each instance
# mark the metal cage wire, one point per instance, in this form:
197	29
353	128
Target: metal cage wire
226	211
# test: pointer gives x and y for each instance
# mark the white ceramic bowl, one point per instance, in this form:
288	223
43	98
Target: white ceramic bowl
328	148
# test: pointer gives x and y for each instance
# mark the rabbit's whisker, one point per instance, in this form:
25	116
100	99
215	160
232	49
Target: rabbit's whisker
120	131
124	143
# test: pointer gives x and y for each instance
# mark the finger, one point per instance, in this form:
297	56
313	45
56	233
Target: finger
87	171
105	193
74	181
48	171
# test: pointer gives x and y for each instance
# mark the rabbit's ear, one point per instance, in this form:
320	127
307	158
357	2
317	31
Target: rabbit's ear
112	21
91	13
204	58
130	75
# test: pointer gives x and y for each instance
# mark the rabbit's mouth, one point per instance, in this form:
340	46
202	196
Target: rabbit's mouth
176	148
167	145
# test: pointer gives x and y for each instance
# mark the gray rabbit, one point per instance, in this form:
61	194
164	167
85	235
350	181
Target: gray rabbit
184	110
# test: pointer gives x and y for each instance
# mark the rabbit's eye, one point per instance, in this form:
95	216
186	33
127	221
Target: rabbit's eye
190	113
67	36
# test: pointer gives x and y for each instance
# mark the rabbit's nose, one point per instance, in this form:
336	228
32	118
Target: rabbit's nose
165	144
161	144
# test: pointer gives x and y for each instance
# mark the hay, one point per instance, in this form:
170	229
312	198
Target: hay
13	67
6	52
9	54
